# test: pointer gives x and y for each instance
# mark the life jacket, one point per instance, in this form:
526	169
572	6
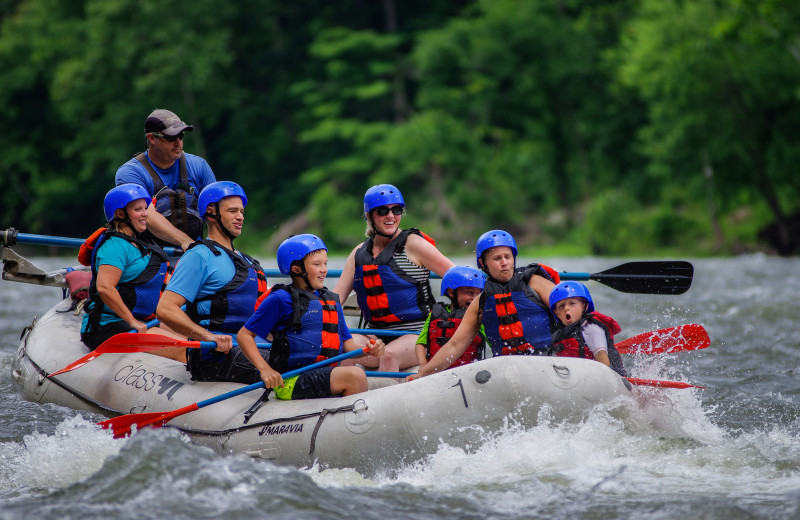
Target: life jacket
141	294
177	203
386	293
313	334
569	341
441	328
516	320
232	305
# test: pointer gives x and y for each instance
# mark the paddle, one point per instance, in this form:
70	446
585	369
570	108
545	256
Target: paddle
11	237
122	425
644	277
127	342
664	341
658	277
634	380
661	384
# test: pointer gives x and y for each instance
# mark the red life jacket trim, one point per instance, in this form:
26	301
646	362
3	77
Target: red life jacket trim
510	329
377	300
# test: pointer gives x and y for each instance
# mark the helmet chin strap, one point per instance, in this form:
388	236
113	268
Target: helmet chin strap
215	218
303	274
375	228
127	221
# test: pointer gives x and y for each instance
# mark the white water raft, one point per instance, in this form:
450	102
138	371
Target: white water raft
374	431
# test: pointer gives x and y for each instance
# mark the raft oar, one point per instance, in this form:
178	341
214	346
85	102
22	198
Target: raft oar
11	237
128	342
122	425
661	384
658	277
644	277
664	341
634	380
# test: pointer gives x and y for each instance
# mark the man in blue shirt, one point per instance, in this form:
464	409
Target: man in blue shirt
219	286
173	179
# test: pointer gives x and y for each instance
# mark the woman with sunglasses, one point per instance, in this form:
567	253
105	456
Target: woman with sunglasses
389	273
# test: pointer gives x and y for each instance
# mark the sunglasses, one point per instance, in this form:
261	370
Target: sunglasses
382	211
169	138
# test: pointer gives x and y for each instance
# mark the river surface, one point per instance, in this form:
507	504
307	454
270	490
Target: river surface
729	451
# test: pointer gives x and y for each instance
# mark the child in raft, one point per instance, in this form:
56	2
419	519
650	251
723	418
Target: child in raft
461	284
307	325
583	332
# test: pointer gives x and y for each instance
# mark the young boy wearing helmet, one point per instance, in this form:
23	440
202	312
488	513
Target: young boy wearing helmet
219	286
584	332
307	325
461	284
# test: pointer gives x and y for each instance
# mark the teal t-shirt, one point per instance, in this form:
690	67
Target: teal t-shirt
118	252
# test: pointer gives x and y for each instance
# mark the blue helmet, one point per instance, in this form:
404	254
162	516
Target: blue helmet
494	238
296	248
462	276
381	195
216	191
122	195
570	289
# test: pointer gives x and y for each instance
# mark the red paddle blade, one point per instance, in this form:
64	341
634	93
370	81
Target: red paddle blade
77	364
661	384
121	426
126	343
674	339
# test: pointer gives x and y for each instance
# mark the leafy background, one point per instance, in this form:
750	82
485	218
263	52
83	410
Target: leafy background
616	127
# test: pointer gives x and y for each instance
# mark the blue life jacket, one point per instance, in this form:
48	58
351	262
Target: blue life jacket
386	294
141	294
313	334
232	305
516	320
177	203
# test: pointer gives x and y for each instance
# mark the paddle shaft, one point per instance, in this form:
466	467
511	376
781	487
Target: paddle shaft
656	277
633	380
122	425
10	237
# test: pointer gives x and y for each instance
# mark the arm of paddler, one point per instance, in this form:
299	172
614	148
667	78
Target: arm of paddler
107	279
425	254
162	228
169	313
457	345
344	285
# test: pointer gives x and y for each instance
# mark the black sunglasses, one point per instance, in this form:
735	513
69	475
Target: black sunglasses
170	138
382	211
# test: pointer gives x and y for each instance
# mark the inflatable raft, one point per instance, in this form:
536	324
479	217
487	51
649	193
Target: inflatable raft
370	432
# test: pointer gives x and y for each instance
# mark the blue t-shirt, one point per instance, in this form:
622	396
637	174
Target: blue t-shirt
198	173
118	252
275	313
201	273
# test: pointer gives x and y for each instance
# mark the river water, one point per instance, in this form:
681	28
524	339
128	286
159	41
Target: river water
730	451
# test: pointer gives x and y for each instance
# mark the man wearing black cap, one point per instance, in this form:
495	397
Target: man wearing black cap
174	178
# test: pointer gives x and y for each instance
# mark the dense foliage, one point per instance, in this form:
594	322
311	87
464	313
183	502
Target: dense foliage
613	126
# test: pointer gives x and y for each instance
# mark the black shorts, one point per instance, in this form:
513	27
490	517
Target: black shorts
233	366
314	384
102	333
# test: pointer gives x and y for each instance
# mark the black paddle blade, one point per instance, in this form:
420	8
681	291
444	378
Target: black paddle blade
657	277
